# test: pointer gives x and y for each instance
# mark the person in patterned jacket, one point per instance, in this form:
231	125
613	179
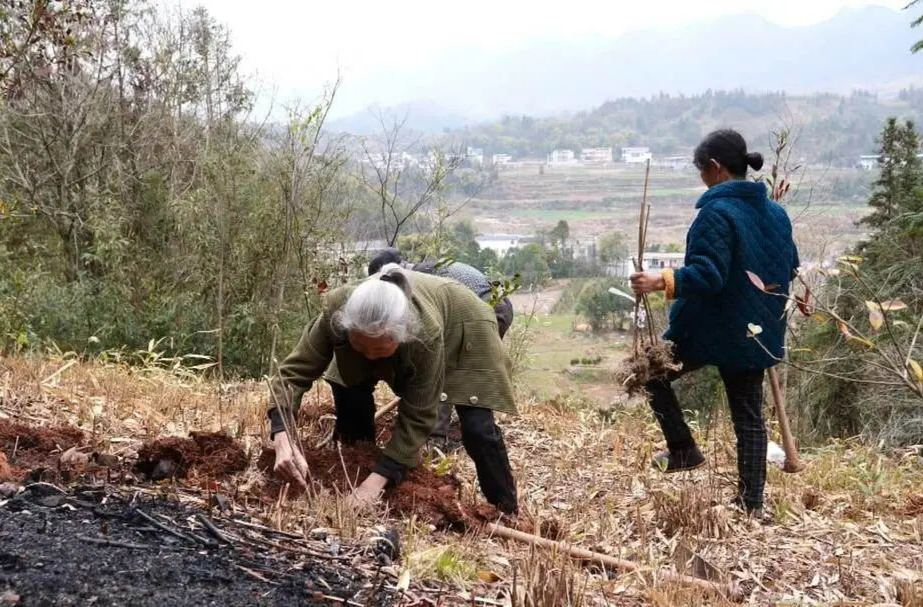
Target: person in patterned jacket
467	275
432	341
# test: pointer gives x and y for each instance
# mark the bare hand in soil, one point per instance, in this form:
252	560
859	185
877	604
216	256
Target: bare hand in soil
647	282
290	463
368	493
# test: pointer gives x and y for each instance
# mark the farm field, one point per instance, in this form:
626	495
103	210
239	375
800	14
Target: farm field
526	198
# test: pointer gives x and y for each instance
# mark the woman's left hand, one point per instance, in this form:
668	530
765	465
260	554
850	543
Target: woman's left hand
369	492
643	283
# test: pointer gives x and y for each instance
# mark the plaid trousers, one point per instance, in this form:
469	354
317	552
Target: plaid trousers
745	398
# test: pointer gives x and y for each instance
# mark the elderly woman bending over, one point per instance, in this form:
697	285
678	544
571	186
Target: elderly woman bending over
432	341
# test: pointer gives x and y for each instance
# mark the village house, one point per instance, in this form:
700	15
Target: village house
652	261
675	163
500	243
561	157
868	162
596	155
637	155
475	155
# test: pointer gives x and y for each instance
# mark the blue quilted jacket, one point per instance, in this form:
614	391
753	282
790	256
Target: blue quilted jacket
737	229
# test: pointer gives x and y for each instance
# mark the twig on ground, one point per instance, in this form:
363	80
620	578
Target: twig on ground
336	599
210	526
163	527
264	528
256	575
113	543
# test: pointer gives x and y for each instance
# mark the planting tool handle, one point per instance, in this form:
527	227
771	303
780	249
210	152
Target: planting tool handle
792	461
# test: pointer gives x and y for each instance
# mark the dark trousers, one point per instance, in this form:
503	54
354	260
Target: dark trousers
481	437
504	313
745	398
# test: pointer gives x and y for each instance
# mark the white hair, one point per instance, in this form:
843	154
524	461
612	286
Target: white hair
381	306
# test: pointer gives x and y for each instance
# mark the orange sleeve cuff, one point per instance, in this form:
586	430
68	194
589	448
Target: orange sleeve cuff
669	283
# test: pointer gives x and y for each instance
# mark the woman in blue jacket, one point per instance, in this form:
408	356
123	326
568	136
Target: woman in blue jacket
737	229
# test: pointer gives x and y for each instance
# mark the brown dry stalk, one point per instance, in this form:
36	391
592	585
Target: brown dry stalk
652	358
730	590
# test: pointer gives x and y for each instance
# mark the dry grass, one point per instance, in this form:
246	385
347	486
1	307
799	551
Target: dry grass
849	528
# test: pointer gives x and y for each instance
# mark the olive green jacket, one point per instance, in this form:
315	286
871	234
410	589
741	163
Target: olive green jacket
457	358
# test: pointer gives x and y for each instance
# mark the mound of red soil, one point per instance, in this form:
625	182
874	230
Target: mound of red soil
430	497
36	449
212	454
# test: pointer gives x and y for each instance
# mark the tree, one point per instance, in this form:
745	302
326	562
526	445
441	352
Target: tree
918	46
896	190
139	198
560	234
613	248
601	308
403	186
529	262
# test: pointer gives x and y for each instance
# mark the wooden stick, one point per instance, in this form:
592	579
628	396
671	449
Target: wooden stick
113	543
263	528
728	590
642	220
641	301
792	462
387	408
162	526
210	526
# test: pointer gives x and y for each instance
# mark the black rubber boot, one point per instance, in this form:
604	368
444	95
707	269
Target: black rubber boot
679	460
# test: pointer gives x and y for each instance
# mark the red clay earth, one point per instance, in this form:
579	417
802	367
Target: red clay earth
36	449
6	473
211	454
430	497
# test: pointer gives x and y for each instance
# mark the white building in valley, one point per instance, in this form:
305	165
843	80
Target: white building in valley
868	162
475	155
675	163
500	243
652	261
636	155
561	157
501	159
596	155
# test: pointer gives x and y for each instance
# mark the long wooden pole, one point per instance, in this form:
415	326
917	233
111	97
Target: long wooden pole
730	590
793	463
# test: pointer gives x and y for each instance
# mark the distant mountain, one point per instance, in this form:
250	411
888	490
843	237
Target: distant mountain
424	117
865	48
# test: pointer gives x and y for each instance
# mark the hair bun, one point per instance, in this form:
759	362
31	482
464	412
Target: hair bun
392	273
755	160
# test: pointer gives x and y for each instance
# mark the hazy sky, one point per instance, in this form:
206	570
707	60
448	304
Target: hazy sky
295	46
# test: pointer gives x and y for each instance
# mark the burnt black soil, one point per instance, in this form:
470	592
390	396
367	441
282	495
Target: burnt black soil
48	557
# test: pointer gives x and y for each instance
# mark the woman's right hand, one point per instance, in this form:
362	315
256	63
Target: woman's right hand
290	463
